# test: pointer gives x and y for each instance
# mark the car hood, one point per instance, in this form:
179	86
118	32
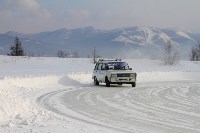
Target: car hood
120	71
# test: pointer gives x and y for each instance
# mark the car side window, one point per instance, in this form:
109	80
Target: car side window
99	67
103	67
96	66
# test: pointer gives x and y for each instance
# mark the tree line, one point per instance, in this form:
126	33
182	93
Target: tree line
170	55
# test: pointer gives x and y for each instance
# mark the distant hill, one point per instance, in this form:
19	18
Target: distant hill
130	42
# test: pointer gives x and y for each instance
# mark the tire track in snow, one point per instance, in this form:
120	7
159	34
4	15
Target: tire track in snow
154	107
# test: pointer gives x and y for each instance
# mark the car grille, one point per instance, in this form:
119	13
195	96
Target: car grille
123	75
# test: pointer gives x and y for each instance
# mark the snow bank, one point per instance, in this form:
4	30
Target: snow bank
16	94
84	78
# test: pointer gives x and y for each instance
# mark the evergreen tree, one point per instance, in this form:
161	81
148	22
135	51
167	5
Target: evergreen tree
16	49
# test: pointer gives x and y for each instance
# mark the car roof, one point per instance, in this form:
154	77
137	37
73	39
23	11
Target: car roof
110	61
107	61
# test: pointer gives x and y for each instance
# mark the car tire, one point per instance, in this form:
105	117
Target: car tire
96	82
107	82
134	84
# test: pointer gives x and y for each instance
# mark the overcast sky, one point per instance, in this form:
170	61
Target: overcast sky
31	16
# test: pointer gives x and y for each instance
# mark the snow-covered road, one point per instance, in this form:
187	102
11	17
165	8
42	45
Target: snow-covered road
161	107
53	95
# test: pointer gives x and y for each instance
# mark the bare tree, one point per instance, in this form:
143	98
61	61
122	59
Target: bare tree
94	55
170	56
62	54
16	49
195	53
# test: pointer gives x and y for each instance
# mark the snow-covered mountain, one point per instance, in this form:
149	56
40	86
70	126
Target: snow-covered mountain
123	42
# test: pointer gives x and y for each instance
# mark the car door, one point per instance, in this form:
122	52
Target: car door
98	72
102	72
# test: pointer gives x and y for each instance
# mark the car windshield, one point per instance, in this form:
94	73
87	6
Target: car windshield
117	65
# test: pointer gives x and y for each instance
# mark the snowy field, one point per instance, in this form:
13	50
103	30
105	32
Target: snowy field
57	95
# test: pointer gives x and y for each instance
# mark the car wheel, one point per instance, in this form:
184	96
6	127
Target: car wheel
107	82
134	84
96	82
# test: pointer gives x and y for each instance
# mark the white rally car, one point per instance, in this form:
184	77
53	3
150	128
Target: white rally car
113	72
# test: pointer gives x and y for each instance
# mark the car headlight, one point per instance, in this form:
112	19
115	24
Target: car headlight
113	75
133	75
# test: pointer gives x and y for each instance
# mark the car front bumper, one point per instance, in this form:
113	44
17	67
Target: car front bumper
122	80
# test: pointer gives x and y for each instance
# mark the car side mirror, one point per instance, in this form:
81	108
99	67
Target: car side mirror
130	68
